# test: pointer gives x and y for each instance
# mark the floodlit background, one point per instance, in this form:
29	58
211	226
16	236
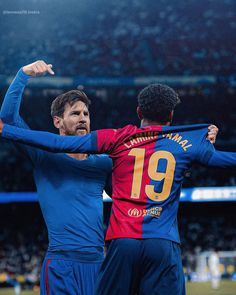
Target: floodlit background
112	49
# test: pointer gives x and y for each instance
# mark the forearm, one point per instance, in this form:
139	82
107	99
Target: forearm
52	142
222	159
11	104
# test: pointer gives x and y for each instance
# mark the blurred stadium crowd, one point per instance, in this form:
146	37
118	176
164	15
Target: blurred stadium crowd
22	245
121	38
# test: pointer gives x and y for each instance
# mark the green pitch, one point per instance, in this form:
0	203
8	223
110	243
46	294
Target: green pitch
226	288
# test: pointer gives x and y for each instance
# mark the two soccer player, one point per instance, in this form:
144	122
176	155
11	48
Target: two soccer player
148	168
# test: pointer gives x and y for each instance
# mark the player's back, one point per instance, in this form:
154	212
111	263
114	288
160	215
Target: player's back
148	170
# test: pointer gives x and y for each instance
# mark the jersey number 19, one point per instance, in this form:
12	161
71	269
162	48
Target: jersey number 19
167	177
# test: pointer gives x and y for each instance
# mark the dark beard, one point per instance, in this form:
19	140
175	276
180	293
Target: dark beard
74	133
70	132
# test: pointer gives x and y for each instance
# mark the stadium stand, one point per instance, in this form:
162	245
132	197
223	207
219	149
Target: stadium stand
141	37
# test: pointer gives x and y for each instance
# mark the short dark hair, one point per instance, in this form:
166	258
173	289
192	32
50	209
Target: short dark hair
70	97
157	101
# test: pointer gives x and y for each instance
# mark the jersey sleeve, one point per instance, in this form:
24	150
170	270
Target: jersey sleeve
207	155
204	149
10	110
222	159
52	142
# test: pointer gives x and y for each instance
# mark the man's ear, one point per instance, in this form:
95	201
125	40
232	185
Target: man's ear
139	112
57	121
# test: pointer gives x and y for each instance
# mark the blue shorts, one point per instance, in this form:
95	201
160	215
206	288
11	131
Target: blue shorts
65	273
142	267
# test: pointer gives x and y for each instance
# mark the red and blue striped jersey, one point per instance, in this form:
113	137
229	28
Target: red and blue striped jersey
148	170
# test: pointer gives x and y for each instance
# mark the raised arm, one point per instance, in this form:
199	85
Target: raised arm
12	100
10	110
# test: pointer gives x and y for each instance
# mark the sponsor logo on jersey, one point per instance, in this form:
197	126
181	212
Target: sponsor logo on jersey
154	212
134	212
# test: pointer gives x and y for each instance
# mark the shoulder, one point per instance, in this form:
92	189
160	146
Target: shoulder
125	131
128	128
103	161
201	128
108	138
196	132
48	159
117	131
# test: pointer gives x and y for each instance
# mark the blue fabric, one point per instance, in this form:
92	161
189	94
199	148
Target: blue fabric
222	159
52	142
70	191
194	137
64	274
148	266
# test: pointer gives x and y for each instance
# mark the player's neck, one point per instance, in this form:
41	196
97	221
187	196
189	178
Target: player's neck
146	122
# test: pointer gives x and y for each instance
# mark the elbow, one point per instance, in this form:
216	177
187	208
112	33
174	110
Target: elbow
8	119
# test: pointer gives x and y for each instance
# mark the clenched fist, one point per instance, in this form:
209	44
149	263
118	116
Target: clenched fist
212	133
38	68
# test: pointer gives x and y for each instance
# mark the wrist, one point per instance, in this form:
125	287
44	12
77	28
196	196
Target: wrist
22	75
